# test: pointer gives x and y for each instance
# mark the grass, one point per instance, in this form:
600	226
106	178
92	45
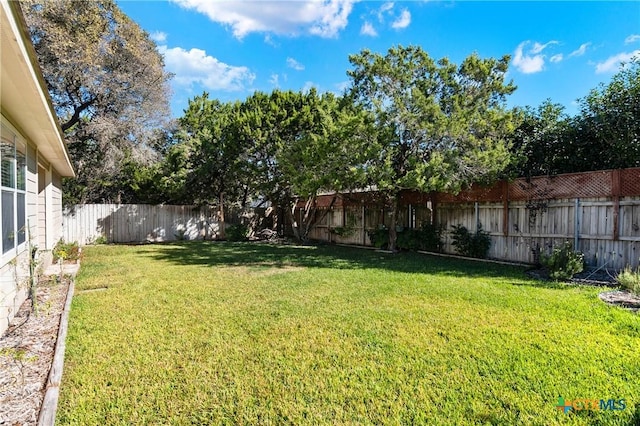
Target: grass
215	333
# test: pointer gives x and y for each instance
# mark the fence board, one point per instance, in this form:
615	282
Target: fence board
126	223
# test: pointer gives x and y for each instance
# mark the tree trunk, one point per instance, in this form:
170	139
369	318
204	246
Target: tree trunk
294	224
393	234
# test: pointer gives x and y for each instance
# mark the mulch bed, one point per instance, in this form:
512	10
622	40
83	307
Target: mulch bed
26	352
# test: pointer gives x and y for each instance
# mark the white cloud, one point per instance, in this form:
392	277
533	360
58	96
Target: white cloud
632	38
196	67
530	61
403	20
386	7
342	86
309	85
367	29
158	36
580	50
539	47
270	41
612	64
556	58
274	80
324	18
292	63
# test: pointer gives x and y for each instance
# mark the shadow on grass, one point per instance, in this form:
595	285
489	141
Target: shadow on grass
324	256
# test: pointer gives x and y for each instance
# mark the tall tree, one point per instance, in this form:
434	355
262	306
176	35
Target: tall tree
109	89
441	126
604	135
608	125
301	144
213	155
541	141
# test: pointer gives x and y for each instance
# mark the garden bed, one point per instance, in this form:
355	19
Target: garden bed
26	351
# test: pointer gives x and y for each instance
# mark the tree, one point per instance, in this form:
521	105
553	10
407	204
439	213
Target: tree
604	135
439	126
108	86
609	122
299	145
541	141
213	155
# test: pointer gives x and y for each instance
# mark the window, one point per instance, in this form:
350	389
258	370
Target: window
13	185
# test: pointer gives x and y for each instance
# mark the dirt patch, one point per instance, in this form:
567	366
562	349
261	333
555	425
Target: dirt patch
26	352
622	299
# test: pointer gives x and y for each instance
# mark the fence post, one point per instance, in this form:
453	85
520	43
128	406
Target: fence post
615	192
576	227
505	208
477	215
364	225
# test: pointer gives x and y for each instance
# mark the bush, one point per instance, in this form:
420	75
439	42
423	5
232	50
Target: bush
66	251
428	238
379	237
630	279
471	244
237	232
564	262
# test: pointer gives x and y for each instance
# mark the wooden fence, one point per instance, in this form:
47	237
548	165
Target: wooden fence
127	223
599	212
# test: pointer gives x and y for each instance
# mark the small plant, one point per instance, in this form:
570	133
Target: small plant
237	232
102	239
428	238
630	279
564	262
344	231
66	251
379	237
471	244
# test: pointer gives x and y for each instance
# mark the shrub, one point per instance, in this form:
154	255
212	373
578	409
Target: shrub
237	232
471	244
427	238
431	237
379	237
630	279
564	262
66	251
101	240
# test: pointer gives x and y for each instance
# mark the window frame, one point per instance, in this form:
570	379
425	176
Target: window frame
10	135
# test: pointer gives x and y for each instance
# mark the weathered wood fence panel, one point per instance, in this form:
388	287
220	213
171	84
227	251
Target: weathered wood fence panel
531	229
126	223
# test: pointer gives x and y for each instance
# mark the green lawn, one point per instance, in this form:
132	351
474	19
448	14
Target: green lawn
216	333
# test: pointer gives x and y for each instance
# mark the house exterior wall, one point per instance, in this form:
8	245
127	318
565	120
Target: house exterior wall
43	205
30	196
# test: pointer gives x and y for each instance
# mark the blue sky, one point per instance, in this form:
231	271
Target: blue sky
559	50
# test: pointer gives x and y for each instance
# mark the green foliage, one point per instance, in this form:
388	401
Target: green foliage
564	262
427	238
110	92
66	251
102	239
438	125
630	279
604	135
379	237
471	244
237	232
